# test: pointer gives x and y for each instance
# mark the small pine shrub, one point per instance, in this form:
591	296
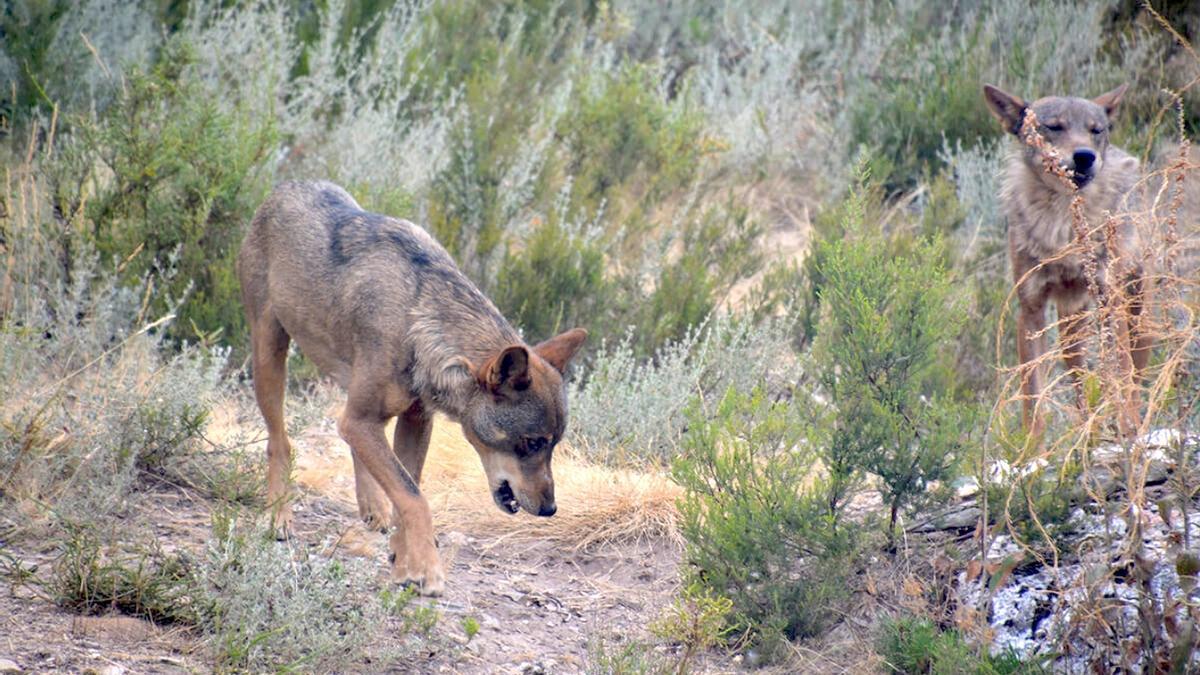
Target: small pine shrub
881	363
754	516
829	225
616	654
698	620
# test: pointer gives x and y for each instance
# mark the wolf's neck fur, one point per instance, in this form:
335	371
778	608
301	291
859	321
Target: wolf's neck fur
1042	214
449	346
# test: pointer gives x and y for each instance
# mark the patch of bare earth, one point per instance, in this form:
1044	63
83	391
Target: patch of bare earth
541	590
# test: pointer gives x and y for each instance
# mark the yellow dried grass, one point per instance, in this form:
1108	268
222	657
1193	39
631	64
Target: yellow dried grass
597	505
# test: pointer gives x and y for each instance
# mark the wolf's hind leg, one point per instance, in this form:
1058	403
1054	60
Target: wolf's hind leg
269	342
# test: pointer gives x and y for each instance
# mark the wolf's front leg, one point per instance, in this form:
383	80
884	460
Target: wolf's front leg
1031	346
414	556
374	507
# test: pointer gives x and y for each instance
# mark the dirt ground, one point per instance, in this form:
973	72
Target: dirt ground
539	601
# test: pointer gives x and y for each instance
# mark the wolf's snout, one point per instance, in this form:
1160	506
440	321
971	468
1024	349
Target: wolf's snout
548	509
1084	158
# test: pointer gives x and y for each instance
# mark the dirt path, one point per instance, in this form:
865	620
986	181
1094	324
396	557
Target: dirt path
538	601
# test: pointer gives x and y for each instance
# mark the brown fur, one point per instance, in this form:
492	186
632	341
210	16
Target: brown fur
1037	204
379	306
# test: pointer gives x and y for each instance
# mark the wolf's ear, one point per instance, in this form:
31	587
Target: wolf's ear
1110	100
507	370
558	350
1009	109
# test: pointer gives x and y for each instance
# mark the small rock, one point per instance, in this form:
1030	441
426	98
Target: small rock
1156	472
956	518
965	486
528	668
7	666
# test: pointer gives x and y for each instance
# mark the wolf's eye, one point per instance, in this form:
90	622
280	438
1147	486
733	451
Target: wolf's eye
1054	127
534	445
1096	131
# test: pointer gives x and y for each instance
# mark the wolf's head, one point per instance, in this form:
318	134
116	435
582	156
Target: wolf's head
517	416
1076	128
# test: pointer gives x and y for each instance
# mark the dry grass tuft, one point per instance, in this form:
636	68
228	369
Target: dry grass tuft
597	505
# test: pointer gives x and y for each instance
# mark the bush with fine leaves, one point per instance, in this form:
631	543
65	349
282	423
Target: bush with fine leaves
755	519
882	365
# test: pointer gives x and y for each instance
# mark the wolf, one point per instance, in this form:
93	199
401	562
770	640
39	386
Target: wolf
380	307
1037	204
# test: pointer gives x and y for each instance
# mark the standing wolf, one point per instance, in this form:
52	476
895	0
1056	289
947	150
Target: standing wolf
380	307
1037	204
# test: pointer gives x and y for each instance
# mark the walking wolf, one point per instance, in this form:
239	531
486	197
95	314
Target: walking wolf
380	307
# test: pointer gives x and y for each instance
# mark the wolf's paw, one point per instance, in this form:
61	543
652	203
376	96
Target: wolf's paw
417	566
375	511
375	521
281	523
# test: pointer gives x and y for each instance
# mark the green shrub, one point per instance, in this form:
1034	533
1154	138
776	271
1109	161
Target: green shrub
622	131
962	206
463	207
754	516
29	29
405	603
829	226
94	576
916	647
183	178
881	361
698	620
719	248
494	166
914	113
618	655
553	281
56	53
